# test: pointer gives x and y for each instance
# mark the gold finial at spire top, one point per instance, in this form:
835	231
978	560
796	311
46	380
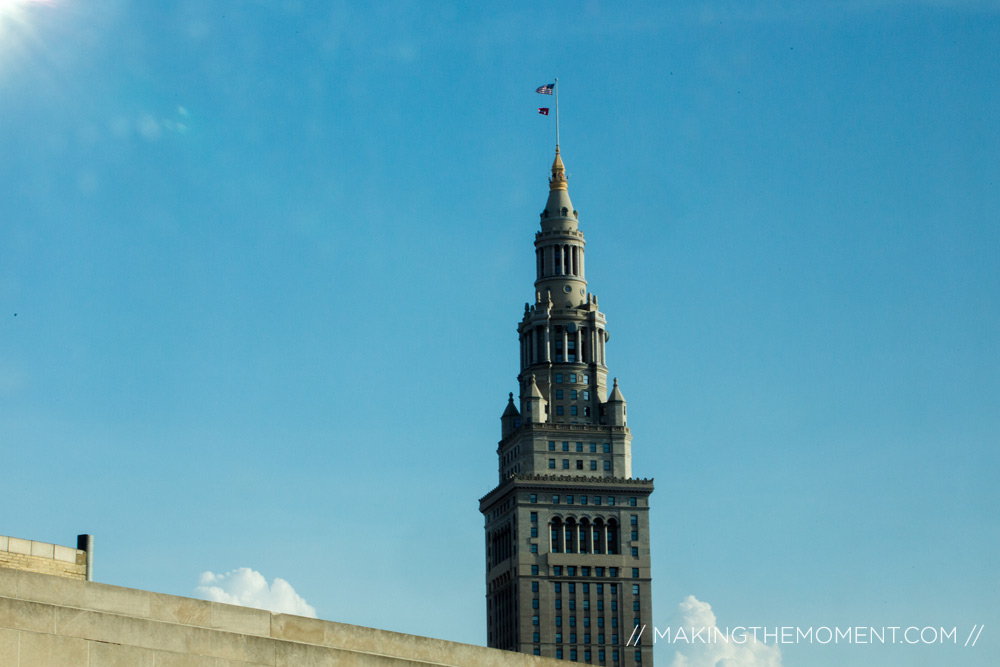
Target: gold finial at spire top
558	179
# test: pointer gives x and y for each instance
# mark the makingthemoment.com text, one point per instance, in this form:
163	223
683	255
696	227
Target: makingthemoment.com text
891	634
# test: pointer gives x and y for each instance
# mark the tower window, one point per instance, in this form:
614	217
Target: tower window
607	447
552	463
572	395
579	446
635	575
579	465
586	395
565	464
559	410
559	394
552	446
632	502
573	410
559	378
634	520
607	466
565	446
593	466
534	515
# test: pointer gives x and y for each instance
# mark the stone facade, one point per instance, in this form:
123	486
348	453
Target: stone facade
42	557
567	528
49	621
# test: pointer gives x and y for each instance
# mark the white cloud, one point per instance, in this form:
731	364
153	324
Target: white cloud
249	588
693	615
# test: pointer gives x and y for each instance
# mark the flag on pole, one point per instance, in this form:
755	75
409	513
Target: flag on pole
546	89
543	110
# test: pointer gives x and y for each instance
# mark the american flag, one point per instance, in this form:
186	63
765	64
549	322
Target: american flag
543	110
546	89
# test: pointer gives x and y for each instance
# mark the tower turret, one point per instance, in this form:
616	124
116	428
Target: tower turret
511	418
614	409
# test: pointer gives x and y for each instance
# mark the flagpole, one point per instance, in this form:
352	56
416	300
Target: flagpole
556	90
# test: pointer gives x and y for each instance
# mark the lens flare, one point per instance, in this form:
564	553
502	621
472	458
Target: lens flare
16	12
19	38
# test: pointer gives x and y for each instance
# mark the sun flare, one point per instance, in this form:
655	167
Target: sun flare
16	27
15	10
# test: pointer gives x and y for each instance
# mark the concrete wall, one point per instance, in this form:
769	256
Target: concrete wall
42	557
48	621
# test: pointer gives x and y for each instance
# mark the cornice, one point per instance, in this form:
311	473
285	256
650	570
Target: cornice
524	480
526	428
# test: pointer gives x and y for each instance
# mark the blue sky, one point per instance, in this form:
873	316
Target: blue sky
261	264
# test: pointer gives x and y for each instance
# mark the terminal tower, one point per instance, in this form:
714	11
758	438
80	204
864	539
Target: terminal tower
567	528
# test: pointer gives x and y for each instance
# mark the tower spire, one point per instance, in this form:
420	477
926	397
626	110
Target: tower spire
558	179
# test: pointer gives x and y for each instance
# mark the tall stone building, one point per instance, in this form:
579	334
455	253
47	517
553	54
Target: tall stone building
567	528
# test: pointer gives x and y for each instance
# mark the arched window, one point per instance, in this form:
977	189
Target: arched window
585	544
570	536
599	538
555	530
